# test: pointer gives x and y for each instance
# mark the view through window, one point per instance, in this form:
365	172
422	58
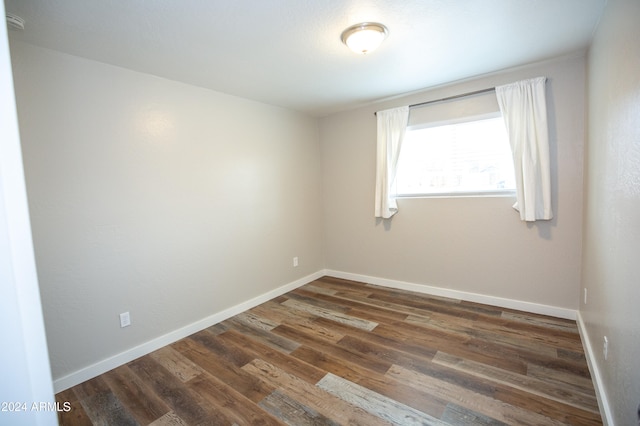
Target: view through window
463	158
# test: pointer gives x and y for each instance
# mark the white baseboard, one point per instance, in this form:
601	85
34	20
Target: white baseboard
601	395
110	363
535	308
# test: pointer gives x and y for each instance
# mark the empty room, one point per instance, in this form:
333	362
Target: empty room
320	212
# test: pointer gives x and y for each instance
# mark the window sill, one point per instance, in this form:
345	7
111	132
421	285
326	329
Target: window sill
474	194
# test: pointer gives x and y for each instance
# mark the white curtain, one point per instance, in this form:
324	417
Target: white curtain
392	126
523	106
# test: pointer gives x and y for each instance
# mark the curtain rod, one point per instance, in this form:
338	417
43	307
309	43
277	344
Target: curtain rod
449	98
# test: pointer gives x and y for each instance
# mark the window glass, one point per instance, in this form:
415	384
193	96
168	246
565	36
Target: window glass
471	157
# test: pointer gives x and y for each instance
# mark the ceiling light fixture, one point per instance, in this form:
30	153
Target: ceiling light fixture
365	37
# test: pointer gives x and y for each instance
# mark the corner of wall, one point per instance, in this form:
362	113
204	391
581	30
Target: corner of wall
601	394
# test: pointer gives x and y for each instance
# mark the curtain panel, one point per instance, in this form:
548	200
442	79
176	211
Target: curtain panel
392	126
524	109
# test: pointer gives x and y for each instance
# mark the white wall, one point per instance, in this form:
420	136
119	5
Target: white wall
468	245
24	363
162	199
611	271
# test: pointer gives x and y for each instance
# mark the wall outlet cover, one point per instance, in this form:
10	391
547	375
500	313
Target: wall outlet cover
125	319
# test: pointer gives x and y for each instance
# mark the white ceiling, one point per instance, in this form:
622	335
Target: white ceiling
289	53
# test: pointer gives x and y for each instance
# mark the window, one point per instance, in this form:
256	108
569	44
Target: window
470	157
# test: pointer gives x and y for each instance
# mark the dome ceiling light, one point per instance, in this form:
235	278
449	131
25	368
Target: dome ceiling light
365	37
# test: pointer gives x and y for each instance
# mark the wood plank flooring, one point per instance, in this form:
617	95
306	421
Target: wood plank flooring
337	352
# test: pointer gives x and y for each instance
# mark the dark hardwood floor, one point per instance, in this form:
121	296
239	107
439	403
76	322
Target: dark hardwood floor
336	352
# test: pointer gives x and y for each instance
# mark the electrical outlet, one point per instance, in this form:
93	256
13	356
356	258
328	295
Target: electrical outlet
585	296
125	319
295	262
605	348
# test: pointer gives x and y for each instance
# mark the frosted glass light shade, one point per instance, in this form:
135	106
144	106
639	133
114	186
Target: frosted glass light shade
365	37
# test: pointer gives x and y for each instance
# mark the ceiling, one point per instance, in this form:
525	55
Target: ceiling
288	52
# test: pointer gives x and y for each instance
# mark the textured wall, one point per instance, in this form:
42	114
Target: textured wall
476	245
611	271
162	199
